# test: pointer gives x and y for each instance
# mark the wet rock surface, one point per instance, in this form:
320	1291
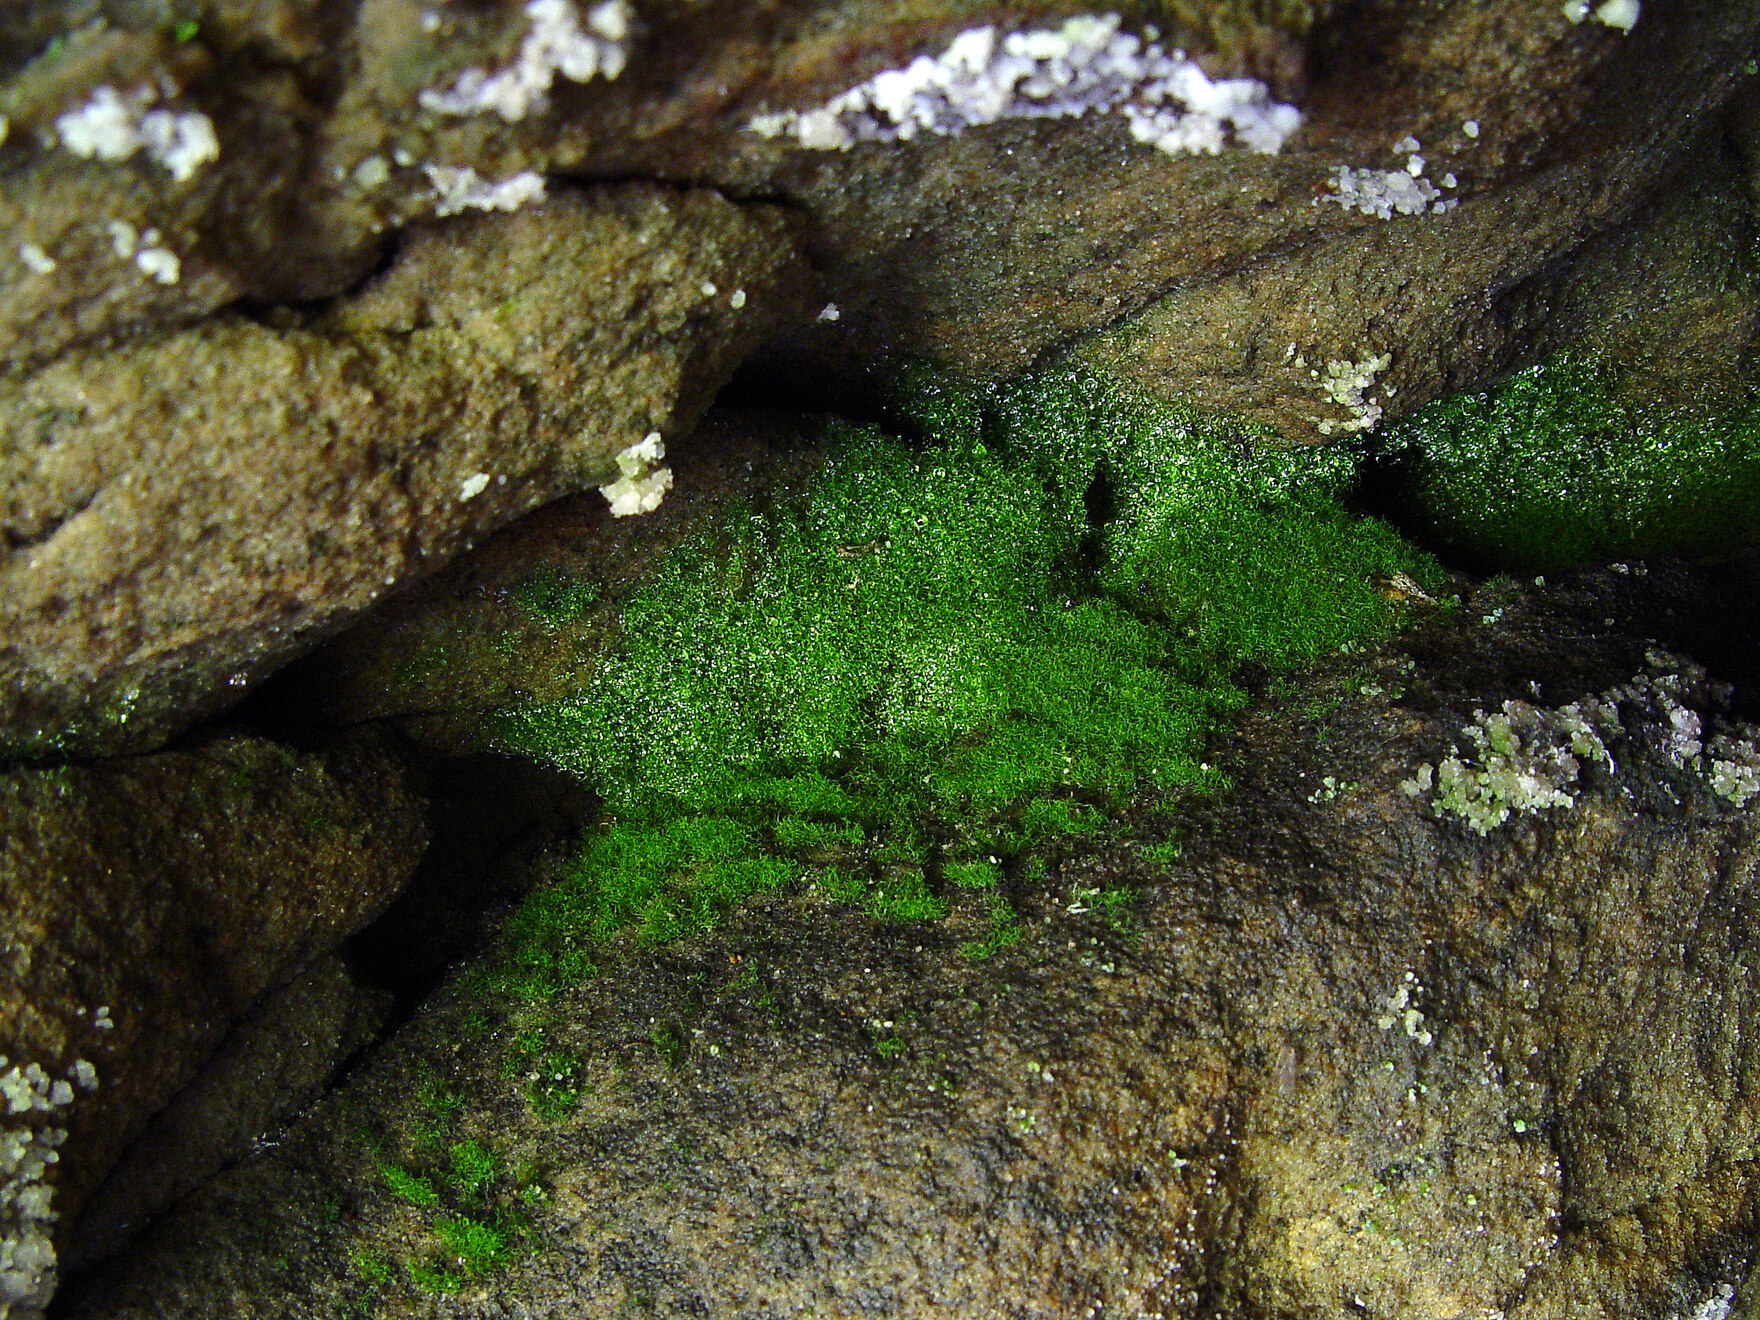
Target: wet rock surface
293	314
523	616
273	1062
1333	1050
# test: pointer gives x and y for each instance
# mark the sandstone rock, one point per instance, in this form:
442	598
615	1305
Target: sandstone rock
526	613
1234	282
271	1064
186	512
150	903
1231	282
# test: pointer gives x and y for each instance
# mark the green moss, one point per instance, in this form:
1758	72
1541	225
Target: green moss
795	833
902	894
553	1087
474	1245
668	1040
370	1266
961	648
973	875
415	1189
1047	818
421	666
550	1076
555	599
1004	931
472	1164
1552	469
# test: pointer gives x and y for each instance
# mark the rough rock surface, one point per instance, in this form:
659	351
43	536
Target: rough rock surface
270	1065
1228	281
150	902
1342	1054
525	614
185	512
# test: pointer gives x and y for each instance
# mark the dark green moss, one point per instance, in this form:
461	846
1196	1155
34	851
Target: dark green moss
1552	469
555	599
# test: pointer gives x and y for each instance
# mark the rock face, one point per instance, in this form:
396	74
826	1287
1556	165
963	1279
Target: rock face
197	492
150	903
1340	1046
270	1064
522	616
191	510
300	301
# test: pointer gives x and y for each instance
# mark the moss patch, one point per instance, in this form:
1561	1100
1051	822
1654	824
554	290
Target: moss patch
943	656
1551	470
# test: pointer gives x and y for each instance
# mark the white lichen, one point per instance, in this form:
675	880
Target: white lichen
145	250
160	263
641	486
1715	1305
1525	758
112	126
1621	14
459	189
1386	193
1733	769
1087	65
1403	1013
35	260
30	1137
370	173
556	42
1347	383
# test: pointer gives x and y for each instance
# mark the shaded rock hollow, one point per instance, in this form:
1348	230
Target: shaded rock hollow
207	476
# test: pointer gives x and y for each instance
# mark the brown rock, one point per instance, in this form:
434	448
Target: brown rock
149	903
271	1064
187	512
524	615
177	563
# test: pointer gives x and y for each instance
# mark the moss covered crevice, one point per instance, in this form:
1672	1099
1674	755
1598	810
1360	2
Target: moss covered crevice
909	683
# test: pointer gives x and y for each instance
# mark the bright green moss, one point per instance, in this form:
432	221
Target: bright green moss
793	833
471	1164
1247	551
973	875
1549	470
964	646
414	1188
663	879
476	1245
